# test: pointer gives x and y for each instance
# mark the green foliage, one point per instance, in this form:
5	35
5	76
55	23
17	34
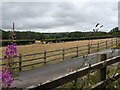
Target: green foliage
113	85
116	29
18	42
58	37
23	35
83	83
29	35
73	39
115	32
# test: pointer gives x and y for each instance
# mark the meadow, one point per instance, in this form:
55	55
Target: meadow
36	48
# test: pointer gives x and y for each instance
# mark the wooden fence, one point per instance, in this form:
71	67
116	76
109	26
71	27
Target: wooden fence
101	68
30	61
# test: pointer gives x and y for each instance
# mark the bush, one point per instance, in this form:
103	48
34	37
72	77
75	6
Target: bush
18	42
73	39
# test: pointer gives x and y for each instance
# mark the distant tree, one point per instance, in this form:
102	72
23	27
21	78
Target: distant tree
116	29
66	35
4	34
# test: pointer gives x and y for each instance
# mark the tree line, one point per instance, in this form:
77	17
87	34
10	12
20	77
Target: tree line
66	35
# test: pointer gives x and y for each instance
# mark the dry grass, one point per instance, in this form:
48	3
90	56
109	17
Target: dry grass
35	48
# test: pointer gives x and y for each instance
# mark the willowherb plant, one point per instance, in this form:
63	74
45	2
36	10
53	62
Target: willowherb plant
6	74
11	51
0	77
10	54
7	79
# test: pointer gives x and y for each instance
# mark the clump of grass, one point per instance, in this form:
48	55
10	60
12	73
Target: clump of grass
83	83
118	47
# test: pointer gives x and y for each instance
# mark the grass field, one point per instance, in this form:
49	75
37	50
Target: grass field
35	48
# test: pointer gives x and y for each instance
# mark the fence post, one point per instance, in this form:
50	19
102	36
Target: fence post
89	48
77	50
111	43
20	62
101	74
116	42
44	56
63	52
98	47
106	45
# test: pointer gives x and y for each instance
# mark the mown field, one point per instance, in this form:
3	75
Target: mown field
35	48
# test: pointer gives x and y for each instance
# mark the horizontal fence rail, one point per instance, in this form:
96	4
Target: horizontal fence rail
30	61
100	66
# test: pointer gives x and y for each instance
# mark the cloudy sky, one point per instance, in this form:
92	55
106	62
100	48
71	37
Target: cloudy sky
59	16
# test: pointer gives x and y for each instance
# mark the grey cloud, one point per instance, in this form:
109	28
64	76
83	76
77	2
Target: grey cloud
53	15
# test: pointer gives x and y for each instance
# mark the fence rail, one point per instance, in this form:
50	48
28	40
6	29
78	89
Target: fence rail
102	81
36	59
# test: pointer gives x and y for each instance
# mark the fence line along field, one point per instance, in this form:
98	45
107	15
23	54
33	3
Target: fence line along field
35	48
35	54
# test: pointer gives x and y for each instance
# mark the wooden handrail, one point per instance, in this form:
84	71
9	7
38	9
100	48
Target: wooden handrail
77	74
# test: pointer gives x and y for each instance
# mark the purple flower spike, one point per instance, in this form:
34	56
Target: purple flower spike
6	76
11	50
7	79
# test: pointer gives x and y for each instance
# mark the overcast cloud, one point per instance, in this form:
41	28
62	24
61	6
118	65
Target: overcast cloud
59	16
